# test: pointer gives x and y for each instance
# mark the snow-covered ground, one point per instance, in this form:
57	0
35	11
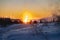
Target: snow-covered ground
50	31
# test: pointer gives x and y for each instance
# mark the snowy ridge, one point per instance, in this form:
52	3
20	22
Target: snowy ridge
29	30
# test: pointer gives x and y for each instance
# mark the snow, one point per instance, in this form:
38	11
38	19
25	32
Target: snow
30	32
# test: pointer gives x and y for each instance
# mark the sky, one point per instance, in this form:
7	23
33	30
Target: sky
38	8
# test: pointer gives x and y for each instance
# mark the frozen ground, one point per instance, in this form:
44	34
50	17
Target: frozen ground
50	31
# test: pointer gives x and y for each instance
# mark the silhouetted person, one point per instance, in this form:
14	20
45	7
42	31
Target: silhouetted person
35	22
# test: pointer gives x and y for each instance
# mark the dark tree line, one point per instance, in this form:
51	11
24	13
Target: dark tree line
8	21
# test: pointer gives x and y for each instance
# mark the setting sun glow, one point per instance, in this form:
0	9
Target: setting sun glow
26	17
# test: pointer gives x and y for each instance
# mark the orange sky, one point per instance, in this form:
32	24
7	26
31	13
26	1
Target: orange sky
18	15
37	8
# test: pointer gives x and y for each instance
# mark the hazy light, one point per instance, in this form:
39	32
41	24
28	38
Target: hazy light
26	17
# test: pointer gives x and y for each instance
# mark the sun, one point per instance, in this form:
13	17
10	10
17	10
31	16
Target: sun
26	17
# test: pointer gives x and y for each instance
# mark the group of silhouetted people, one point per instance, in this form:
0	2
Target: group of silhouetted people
7	21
